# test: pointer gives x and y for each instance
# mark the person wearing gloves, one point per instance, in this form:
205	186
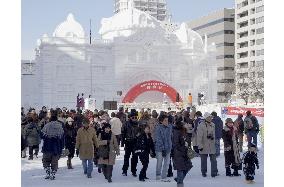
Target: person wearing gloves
85	140
107	151
231	148
206	145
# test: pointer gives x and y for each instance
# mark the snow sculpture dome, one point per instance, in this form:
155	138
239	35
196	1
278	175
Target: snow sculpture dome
70	28
189	37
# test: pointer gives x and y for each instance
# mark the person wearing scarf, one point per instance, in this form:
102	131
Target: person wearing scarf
107	141
231	148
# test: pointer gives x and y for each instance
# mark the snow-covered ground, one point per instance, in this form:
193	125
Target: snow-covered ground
33	175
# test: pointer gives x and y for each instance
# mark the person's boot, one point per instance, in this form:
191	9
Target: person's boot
141	178
52	176
228	171
47	171
30	157
69	165
236	173
124	173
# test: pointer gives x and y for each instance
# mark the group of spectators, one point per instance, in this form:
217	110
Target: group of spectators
96	138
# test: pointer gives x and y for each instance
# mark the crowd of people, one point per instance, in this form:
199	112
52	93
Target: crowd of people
170	137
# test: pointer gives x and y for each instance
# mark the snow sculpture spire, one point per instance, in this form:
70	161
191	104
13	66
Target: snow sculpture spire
205	43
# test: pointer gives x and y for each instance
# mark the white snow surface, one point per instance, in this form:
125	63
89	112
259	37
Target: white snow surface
33	175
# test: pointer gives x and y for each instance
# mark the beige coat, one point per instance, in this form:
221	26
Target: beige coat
113	150
115	126
208	145
85	141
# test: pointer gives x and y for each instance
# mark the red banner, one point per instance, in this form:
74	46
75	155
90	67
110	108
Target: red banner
238	110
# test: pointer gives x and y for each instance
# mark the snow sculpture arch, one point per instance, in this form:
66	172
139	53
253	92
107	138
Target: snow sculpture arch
151	85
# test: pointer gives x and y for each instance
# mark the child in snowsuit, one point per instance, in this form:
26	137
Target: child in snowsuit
250	160
144	146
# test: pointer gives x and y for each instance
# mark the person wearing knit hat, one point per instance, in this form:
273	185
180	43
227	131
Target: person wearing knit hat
231	148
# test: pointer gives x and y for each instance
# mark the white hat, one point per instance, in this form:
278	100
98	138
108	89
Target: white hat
69	119
207	115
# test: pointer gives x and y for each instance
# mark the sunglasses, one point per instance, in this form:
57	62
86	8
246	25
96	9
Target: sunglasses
134	117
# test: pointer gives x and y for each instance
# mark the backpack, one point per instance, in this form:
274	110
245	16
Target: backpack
248	123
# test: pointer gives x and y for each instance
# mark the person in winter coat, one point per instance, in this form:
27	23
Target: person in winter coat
163	147
206	145
152	122
251	128
32	136
70	140
181	161
239	124
108	141
52	135
250	160
116	126
198	119
128	141
78	119
188	125
23	139
42	113
231	148
218	131
143	148
86	139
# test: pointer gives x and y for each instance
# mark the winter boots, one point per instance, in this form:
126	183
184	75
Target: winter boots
47	171
236	173
52	174
228	171
69	164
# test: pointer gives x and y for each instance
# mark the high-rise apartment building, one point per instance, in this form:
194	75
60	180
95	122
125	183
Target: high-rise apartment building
249	49
156	8
219	27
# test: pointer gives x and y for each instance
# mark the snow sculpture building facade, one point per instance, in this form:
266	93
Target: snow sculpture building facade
134	48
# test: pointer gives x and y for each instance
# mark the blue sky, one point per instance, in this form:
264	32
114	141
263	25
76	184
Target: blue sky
42	16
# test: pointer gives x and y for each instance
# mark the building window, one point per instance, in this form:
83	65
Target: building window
252	74
252	42
243	14
260	19
252	11
260	52
260	30
252	21
243	45
225	68
243	34
213	23
252	63
243	65
252	1
242	24
243	55
225	44
260	41
252	32
260	63
243	75
226	81
225	94
224	56
252	53
259	9
220	33
260	74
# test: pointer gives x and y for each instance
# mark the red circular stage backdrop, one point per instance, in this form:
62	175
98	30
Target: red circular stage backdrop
151	85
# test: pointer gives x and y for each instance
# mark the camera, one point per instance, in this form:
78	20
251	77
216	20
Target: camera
210	136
